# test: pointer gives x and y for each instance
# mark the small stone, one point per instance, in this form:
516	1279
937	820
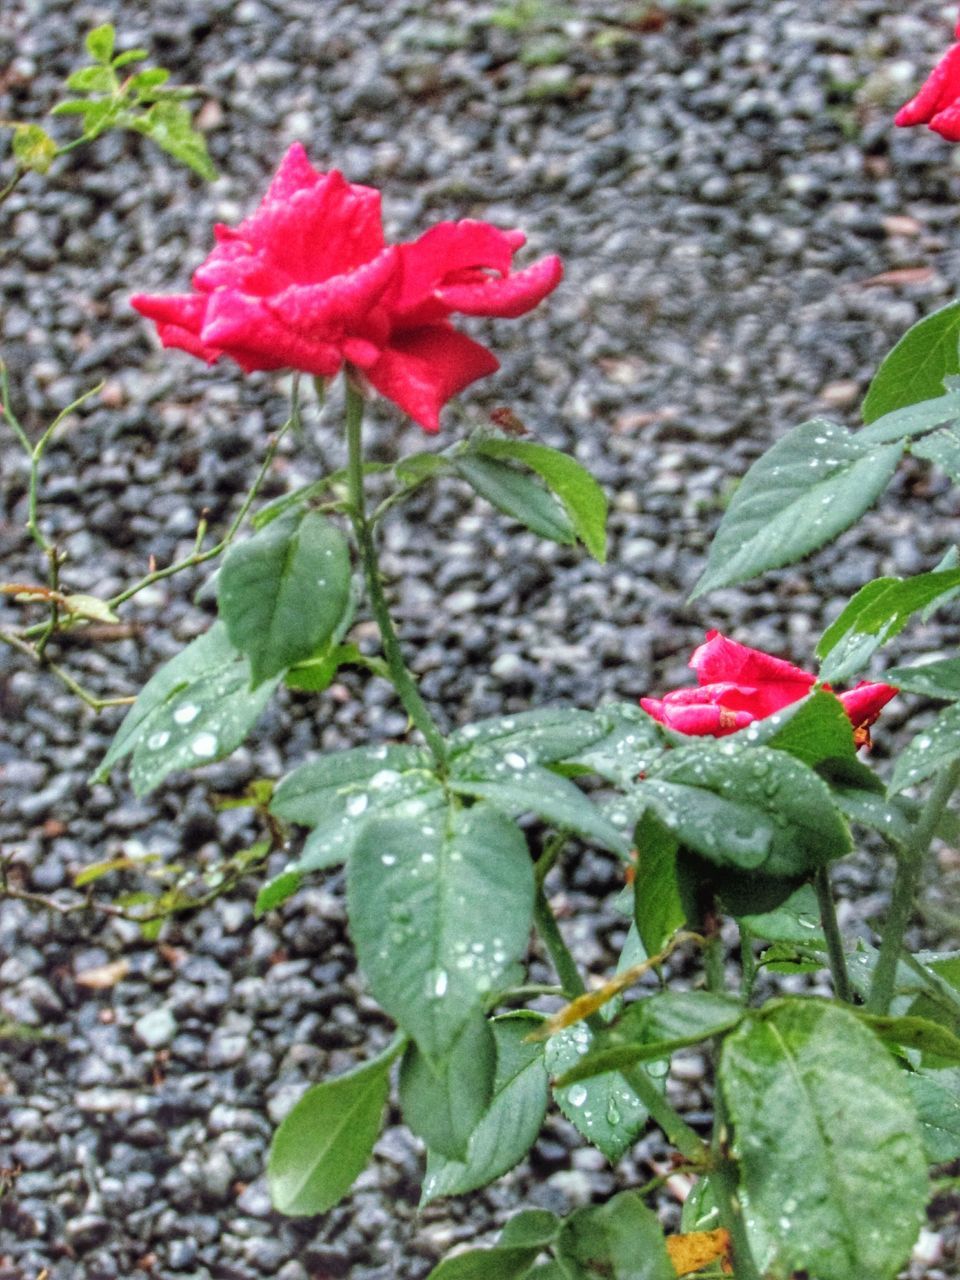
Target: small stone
156	1028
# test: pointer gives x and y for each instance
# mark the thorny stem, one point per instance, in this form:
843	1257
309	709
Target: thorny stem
686	1140
905	885
831	931
400	676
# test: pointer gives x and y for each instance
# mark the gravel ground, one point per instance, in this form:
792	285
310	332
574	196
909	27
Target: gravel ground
725	186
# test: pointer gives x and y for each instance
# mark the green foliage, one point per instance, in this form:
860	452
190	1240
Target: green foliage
514	493
511	1122
916	367
620	1240
604	1109
141	101
878	612
443	1099
935	746
285	593
324	1142
196	709
439	909
651	1029
808	1087
33	148
657	909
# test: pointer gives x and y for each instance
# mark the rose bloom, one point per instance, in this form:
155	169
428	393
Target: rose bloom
938	102
307	282
737	685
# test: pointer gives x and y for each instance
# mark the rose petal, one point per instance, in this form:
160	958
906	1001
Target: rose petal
697	720
512	296
245	329
179	319
940	91
421	371
865	701
721	659
318	311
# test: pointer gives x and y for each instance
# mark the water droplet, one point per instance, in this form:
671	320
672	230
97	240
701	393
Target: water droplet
388	859
356	805
384	778
440	983
613	1112
204	744
577	1095
158	740
186	713
379	753
515	760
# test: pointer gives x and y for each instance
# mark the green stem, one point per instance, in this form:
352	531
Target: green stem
831	930
905	885
723	1180
400	676
686	1140
748	963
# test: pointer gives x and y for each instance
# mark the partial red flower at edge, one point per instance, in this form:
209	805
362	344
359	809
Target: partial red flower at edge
938	102
308	283
738	685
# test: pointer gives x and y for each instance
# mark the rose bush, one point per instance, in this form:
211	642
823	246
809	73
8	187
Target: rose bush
308	282
737	685
938	102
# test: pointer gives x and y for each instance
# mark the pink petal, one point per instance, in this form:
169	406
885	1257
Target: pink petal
509	296
179	319
865	701
940	91
420	371
697	720
294	173
721	659
234	264
321	231
245	329
947	123
446	251
318	311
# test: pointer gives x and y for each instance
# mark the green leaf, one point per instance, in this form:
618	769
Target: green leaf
875	812
100	43
92	80
417	467
938	1109
630	742
517	496
512	1121
530	1227
168	124
325	1141
936	745
942	448
813	730
912	420
33	148
197	708
912	1032
486	1264
796	920
545	736
98	114
145	82
527	788
583	499
810	486
808	1088
931	679
338	794
658	911
284	592
276	892
438	911
916	367
651	1029
443	1100
878	612
747	807
128	56
620	1240
604	1109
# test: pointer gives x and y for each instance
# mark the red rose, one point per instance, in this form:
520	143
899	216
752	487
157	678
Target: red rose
308	283
938	102
737	685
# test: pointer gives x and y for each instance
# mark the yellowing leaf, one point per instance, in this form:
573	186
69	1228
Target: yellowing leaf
694	1250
